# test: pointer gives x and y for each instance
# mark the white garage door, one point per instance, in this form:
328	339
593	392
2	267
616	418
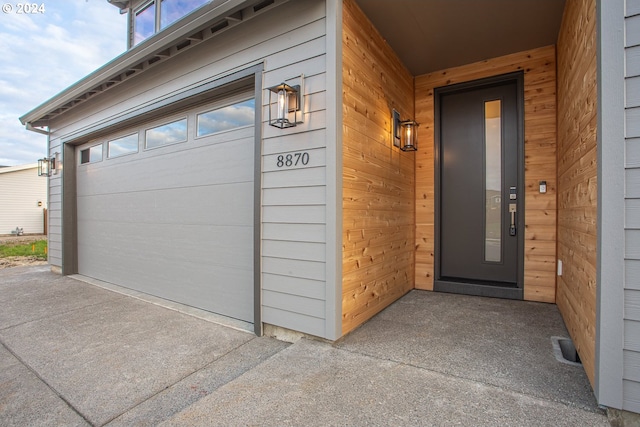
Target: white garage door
167	208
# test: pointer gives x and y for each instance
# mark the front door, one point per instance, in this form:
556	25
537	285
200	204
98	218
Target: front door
480	190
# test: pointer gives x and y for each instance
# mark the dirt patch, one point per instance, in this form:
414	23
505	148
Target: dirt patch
19	261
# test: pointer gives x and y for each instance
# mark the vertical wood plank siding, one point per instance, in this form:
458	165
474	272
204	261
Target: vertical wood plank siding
631	353
378	178
540	164
289	40
577	176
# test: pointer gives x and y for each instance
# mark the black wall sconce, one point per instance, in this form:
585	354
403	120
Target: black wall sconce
48	165
404	133
287	102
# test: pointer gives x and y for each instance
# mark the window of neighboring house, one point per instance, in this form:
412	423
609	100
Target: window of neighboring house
91	154
123	145
169	133
149	19
226	118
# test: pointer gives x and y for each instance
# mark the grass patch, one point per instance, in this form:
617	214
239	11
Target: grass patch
37	249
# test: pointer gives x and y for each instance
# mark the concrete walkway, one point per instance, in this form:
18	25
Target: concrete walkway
74	354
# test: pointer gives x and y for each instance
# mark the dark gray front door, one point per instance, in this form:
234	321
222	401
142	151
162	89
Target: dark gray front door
479	193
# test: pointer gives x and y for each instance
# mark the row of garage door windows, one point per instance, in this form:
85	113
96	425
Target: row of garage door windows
207	123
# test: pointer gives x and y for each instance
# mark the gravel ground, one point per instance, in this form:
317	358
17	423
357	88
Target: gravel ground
18	261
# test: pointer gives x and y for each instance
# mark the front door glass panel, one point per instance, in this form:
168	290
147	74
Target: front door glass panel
493	181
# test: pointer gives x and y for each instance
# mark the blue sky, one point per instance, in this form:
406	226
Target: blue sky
42	54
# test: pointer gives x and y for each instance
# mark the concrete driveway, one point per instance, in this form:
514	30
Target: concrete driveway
75	354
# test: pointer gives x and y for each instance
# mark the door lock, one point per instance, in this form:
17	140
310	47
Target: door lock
512	213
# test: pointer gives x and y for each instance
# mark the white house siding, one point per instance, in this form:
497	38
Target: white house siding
631	354
289	40
20	191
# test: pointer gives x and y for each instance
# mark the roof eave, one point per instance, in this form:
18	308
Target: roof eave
147	49
120	4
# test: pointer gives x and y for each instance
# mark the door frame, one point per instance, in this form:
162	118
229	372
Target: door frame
479	289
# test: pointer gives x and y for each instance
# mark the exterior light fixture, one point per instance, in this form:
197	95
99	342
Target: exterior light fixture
44	167
48	165
286	100
409	139
404	133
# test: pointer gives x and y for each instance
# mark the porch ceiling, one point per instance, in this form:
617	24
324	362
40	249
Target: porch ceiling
431	35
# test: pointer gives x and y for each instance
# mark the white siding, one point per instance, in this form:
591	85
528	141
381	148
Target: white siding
20	191
293	199
631	354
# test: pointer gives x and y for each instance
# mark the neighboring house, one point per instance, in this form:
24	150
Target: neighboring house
23	200
175	184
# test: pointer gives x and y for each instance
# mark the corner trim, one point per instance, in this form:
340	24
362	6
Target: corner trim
609	343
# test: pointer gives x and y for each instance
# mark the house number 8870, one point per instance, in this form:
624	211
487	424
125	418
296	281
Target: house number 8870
292	159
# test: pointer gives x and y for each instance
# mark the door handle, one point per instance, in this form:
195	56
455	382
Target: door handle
512	226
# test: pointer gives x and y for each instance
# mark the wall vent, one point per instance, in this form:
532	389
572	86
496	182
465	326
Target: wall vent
565	351
262	5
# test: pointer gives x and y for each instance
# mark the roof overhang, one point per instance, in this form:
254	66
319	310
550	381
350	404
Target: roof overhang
9	169
121	4
210	20
434	35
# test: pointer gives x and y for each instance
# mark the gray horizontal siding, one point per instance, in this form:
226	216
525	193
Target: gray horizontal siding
293	199
631	400
632	365
632	30
631	313
632	66
632	305
632	274
55	207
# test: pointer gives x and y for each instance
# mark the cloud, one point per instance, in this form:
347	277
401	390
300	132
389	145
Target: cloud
42	54
226	118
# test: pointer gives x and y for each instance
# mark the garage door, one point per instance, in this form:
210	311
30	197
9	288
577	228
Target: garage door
167	208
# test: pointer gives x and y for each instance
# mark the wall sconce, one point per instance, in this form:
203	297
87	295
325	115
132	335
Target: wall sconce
287	102
405	135
48	165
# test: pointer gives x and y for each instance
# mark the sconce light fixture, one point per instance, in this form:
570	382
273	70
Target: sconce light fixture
405	135
286	100
48	165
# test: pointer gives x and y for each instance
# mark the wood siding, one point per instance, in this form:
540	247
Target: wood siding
20	191
293	199
540	157
631	352
378	178
577	176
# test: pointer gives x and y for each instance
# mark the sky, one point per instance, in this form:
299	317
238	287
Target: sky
43	53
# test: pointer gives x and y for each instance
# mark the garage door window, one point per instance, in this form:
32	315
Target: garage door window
122	146
91	154
170	133
226	118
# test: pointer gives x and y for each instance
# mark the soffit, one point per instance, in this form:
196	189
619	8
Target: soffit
431	35
209	21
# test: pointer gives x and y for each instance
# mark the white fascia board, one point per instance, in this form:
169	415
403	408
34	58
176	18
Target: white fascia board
120	4
18	168
141	52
